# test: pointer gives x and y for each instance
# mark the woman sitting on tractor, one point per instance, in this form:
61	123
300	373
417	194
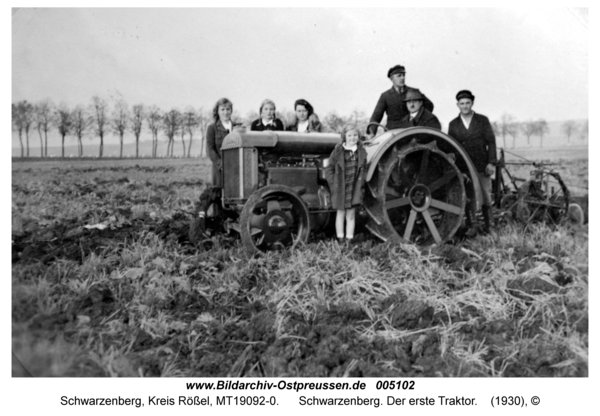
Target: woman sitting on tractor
306	120
267	119
215	133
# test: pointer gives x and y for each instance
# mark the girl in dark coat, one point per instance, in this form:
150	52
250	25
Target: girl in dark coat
267	119
346	174
215	133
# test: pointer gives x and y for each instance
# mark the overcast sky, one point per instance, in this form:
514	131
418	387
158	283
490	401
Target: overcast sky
529	62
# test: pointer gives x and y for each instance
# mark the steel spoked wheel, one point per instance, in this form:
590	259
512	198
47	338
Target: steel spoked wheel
423	194
274	217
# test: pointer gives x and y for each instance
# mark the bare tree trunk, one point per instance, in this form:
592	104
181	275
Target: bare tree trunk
137	146
202	146
189	151
101	149
21	140
80	147
183	143
121	154
45	143
41	143
63	145
27	138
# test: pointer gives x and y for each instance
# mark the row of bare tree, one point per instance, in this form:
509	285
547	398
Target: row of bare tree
508	126
97	120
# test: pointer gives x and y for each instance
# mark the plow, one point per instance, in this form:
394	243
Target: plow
543	197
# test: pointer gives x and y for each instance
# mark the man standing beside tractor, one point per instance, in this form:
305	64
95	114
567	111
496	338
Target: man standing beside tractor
474	132
391	102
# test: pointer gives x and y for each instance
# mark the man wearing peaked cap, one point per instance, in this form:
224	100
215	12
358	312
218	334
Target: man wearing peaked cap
465	94
398	69
392	103
474	132
417	114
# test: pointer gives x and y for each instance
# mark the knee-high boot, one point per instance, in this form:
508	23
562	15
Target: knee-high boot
487	218
471	226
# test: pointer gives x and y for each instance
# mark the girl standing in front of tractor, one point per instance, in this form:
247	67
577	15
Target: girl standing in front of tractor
345	174
215	133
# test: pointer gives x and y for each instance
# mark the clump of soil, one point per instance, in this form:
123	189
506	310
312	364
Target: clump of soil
455	257
530	285
408	313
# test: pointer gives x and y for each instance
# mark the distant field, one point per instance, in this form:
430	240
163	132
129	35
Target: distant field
551	153
105	282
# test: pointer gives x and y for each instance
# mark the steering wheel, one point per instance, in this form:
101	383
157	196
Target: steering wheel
373	123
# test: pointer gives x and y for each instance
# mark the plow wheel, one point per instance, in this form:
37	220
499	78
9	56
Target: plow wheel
545	198
417	194
209	216
274	217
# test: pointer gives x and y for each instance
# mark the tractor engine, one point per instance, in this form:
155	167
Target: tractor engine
289	161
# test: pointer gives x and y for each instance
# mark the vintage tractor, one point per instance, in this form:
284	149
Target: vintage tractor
419	183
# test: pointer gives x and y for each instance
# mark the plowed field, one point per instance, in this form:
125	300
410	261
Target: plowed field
105	282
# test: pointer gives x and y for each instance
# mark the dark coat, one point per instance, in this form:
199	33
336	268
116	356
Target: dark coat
314	125
392	103
424	118
335	171
215	133
479	140
257	125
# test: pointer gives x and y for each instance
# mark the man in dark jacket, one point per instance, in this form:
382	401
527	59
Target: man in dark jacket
474	132
417	114
391	102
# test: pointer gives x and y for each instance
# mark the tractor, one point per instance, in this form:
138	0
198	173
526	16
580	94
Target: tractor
419	184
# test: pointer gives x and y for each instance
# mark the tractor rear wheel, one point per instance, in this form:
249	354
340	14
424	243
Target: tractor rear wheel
417	194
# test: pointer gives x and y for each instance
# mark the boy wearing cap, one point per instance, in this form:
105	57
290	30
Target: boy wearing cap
417	114
391	102
474	132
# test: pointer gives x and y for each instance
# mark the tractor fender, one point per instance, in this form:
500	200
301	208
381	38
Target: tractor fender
378	146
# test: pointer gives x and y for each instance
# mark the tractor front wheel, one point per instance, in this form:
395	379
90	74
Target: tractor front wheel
274	217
